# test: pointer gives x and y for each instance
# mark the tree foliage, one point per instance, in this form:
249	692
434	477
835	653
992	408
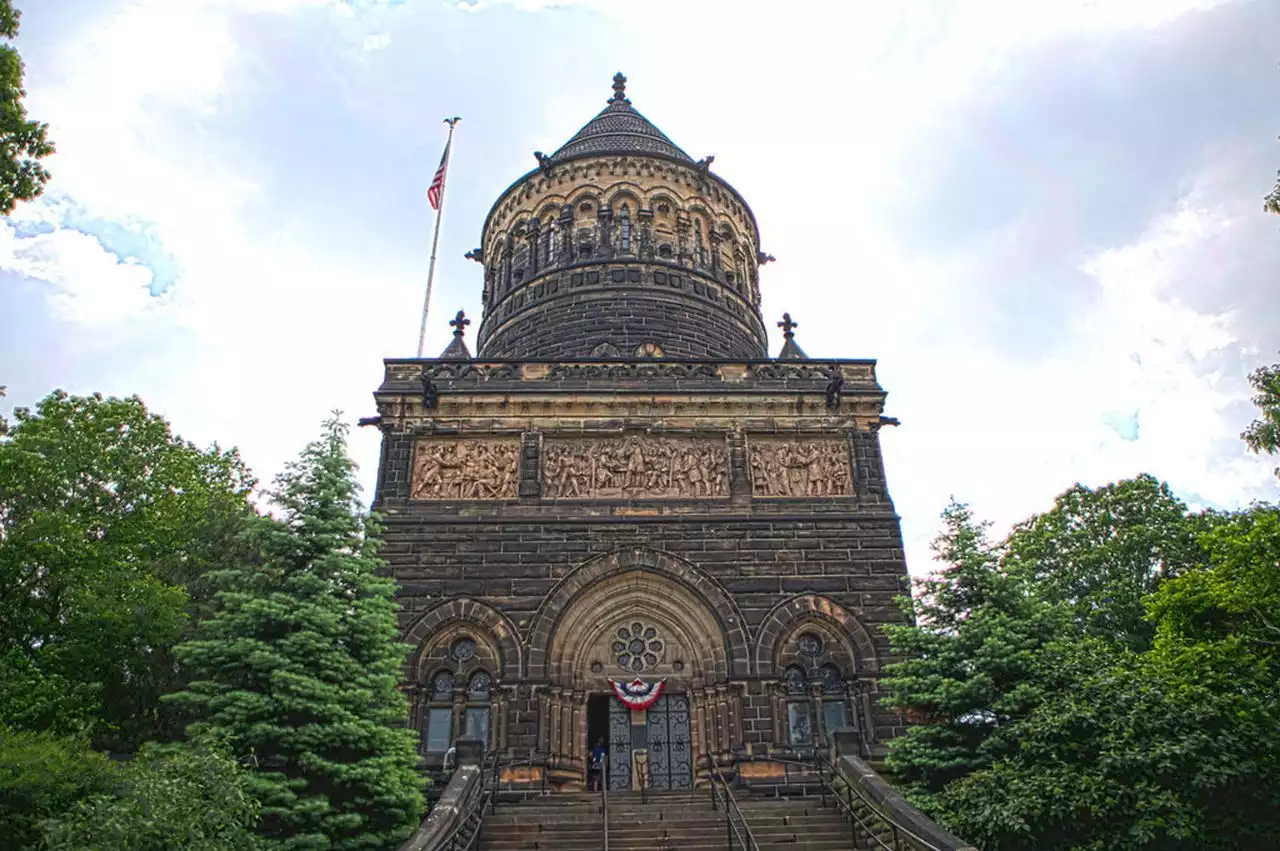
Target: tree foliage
107	524
1141	716
1263	434
23	142
1102	551
298	661
191	797
43	775
969	659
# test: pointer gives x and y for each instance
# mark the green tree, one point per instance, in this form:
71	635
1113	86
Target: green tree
1263	434
42	775
1176	747
177	798
298	663
106	520
1102	551
969	659
24	142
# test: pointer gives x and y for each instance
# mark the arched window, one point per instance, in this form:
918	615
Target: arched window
833	701
458	695
799	707
624	229
477	715
440	713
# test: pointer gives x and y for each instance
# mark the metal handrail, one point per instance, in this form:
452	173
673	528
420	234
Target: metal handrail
857	822
897	828
746	840
604	796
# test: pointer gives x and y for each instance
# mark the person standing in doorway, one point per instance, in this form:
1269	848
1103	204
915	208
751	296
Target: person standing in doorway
595	776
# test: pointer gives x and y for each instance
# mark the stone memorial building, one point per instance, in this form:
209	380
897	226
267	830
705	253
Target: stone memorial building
622	495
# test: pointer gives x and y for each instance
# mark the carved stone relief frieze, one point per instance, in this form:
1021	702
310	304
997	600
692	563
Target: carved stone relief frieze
800	467
465	468
635	468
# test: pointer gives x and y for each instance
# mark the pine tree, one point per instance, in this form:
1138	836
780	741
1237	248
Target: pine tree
969	663
298	661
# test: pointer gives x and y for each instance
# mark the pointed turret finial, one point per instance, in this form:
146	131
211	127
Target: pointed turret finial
457	348
619	89
790	348
460	323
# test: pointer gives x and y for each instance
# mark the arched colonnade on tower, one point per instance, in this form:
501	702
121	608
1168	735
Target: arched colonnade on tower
806	667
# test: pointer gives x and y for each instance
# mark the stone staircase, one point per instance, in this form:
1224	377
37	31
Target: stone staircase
678	821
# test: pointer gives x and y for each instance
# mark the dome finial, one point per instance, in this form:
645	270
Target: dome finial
619	89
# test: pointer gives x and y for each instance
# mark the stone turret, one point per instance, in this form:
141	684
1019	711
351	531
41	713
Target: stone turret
619	244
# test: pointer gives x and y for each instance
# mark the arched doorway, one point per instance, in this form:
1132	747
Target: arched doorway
638	620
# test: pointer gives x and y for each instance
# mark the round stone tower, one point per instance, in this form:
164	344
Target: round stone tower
619	245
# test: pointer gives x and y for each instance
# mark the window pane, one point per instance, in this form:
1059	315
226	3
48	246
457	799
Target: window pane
800	722
833	715
478	723
439	734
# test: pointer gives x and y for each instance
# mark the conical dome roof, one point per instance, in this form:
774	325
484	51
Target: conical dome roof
619	129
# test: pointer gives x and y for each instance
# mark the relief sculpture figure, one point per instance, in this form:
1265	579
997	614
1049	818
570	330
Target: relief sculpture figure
635	467
448	468
800	468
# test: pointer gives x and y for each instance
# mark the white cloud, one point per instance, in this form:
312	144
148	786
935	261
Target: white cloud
88	284
269	327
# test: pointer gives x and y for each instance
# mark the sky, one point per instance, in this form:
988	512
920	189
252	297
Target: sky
1044	220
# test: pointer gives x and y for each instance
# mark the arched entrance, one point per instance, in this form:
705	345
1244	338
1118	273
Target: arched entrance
637	619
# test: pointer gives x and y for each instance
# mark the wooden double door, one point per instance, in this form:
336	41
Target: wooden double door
666	736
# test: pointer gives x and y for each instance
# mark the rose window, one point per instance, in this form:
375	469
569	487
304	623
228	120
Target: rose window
463	650
637	647
809	644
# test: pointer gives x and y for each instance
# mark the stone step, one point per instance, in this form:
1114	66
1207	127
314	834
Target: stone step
676	820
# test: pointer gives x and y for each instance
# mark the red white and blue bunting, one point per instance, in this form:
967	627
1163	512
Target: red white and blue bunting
637	694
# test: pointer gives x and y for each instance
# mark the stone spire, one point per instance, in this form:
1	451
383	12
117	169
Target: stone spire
619	129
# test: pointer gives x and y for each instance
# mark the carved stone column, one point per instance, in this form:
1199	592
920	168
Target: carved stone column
544	723
535	245
778	704
682	240
645	218
697	732
722	718
606	230
553	725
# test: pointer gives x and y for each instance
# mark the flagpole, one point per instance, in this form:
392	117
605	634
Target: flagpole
435	239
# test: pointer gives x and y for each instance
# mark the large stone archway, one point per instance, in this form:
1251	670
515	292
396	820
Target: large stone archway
638	613
694	583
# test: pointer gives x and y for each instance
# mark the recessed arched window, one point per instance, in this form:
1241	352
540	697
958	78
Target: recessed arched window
664	250
834	716
476	719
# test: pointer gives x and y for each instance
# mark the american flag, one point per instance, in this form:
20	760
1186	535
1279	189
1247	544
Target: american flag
437	183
